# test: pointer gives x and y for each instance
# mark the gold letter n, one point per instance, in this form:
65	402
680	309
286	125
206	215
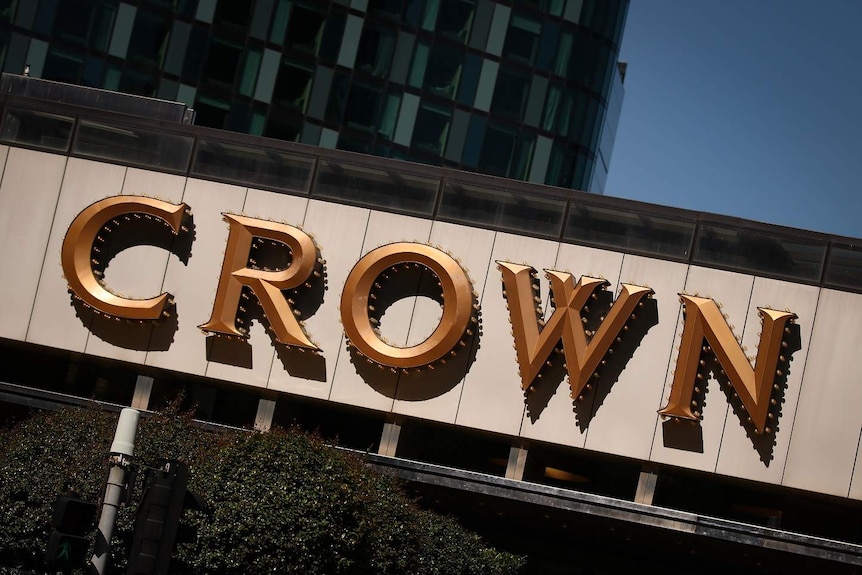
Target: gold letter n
704	321
534	346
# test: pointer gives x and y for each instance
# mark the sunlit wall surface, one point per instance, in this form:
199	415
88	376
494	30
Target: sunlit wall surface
515	89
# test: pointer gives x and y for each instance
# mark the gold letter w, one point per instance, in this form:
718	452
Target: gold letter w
534	347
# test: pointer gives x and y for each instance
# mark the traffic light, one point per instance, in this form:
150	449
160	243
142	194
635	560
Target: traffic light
72	524
162	503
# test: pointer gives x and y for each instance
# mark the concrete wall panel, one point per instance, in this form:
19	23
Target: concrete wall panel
139	271
194	285
762	458
28	197
260	348
552	414
492	398
472	247
339	232
624	421
826	429
349	386
55	321
695	445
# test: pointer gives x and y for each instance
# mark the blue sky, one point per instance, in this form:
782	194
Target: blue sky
749	108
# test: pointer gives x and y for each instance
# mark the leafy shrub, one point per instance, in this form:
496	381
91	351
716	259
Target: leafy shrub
278	502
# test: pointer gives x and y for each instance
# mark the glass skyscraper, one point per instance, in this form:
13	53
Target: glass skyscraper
528	89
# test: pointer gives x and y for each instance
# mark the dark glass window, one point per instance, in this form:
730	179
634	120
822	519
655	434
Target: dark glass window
629	231
149	39
7	10
443	72
375	51
93	70
304	29
293	84
522	39
44	22
64	65
233	13
548	45
497	150
337	97
211	112
520	166
375	187
72	22
37	129
454	18
561	166
343	425
330	43
103	21
279	22
510	95
387	8
558	110
498	209
473	143
197	49
134	146
363	108
844	269
283	127
431	129
266	168
454	447
469	79
137	82
759	253
222	61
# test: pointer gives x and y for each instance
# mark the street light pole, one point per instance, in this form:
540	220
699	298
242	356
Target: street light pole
122	449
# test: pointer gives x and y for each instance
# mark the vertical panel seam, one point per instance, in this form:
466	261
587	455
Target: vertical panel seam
799	397
47	243
476	340
853	469
165	277
341	346
669	367
727	409
410	323
208	362
274	347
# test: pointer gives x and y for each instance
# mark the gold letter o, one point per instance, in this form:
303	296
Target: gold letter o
457	304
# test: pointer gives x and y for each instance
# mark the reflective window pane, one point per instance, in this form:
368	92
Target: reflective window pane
375	187
431	129
759	253
37	129
375	51
254	166
629	231
134	146
522	39
844	269
500	209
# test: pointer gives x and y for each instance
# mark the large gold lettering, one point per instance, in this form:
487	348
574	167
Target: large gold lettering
457	298
704	321
266	284
79	249
534	346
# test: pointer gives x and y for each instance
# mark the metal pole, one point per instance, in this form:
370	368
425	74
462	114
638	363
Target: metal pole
121	450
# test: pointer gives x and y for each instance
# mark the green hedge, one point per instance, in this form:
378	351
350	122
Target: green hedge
279	502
